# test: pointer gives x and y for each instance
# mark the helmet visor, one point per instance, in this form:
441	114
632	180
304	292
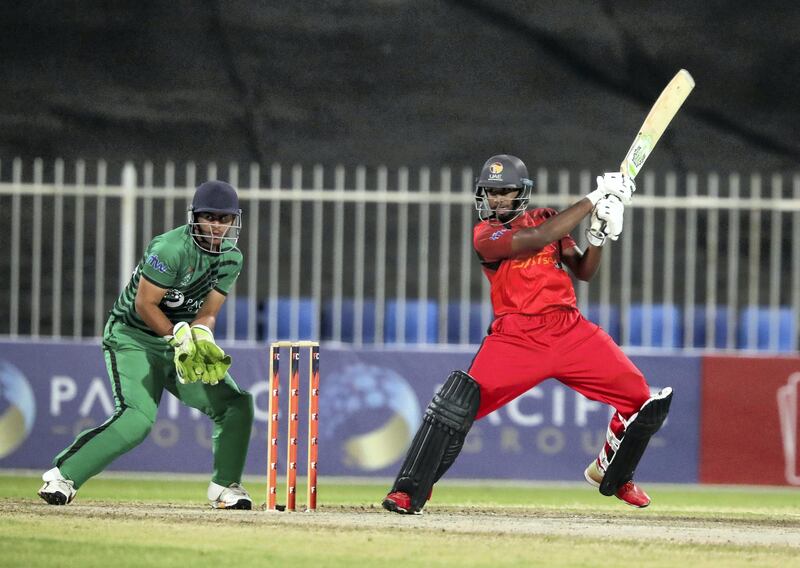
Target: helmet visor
505	214
215	232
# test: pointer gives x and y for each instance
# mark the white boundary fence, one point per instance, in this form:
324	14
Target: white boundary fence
373	256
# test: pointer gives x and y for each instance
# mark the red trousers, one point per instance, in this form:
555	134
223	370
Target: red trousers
522	351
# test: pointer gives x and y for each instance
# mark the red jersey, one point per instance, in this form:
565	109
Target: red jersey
526	283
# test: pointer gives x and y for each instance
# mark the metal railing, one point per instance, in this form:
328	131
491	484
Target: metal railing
368	255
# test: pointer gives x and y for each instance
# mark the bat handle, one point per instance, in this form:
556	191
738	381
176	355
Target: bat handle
598	234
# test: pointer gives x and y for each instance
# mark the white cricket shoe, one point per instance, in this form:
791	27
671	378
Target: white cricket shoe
234	496
57	490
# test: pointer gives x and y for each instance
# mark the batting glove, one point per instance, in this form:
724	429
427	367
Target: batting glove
210	356
595	234
607	219
611	211
183	343
614	183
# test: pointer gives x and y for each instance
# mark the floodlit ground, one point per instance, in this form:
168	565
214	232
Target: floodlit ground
135	522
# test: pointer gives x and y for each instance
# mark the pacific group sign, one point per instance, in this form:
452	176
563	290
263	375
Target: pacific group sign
371	402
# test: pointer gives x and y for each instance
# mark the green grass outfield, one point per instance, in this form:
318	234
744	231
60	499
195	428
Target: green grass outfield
122	521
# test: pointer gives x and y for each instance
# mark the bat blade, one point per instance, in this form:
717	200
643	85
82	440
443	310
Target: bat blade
656	122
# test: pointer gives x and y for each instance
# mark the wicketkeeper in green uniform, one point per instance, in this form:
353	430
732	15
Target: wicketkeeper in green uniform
159	336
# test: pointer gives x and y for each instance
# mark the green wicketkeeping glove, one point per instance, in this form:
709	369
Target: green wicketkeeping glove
185	351
210	355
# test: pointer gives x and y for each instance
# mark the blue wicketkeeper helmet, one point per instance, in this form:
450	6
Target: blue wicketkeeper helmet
219	198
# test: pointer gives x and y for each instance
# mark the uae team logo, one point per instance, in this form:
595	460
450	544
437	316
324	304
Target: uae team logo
17	408
788	402
495	171
371	415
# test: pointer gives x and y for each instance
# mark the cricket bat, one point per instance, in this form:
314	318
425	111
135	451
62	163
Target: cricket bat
656	122
661	114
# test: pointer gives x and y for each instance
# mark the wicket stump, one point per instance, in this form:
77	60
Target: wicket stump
293	422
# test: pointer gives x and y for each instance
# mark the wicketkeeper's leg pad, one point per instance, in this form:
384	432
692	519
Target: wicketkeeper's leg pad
440	438
641	427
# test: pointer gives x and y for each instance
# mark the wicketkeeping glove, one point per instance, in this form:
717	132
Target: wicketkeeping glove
185	350
613	183
213	359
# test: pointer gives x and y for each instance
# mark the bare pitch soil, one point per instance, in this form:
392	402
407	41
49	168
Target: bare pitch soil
639	526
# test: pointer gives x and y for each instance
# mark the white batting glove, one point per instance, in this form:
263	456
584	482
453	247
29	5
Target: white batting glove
607	218
595	234
613	183
611	211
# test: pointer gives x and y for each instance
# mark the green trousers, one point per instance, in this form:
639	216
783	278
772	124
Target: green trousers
140	367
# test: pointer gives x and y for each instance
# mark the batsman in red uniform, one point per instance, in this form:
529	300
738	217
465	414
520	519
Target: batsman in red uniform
538	333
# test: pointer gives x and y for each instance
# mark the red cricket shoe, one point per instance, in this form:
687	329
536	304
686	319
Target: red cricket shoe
633	495
629	493
399	502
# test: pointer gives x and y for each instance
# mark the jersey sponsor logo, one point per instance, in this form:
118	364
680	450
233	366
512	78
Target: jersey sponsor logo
543	258
497	234
173	298
154	261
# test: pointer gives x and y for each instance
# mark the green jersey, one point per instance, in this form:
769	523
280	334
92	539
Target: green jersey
172	261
